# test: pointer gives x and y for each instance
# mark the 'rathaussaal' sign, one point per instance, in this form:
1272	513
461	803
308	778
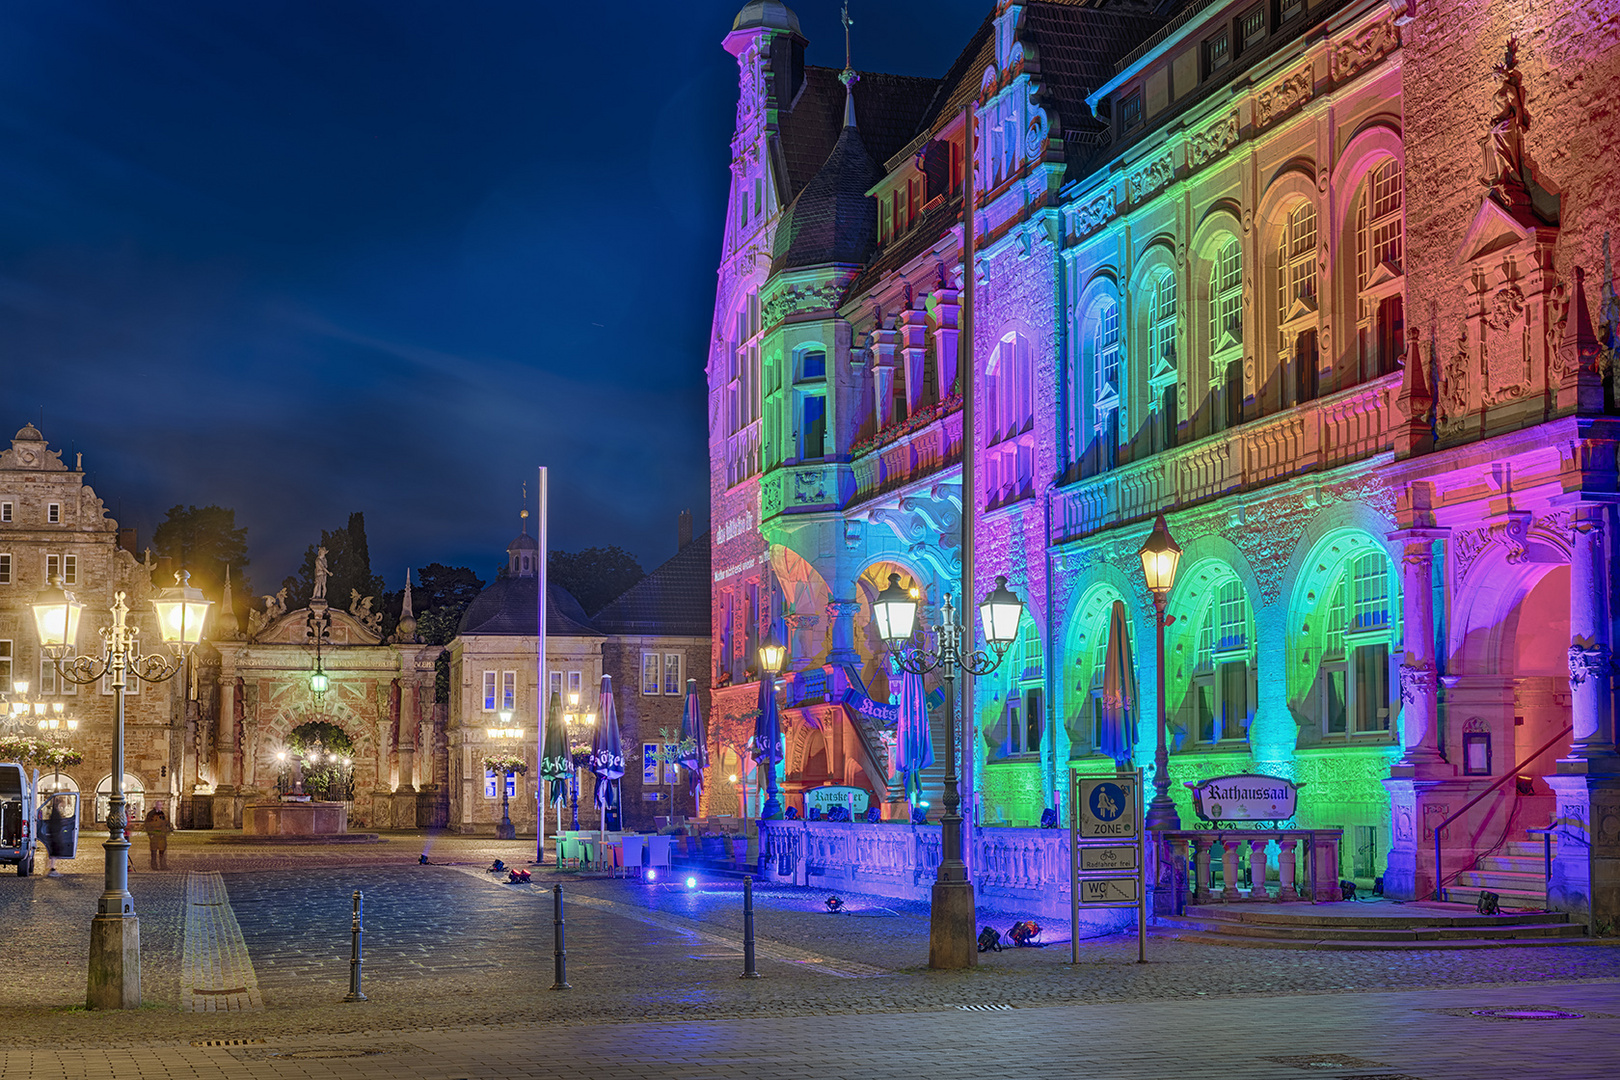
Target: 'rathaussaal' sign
1246	798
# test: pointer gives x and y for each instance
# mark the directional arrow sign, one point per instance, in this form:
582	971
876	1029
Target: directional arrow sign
1107	858
1118	890
1108	809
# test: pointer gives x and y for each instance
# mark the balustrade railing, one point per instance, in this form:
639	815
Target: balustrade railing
1207	850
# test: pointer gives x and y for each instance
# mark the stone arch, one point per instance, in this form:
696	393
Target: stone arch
1085	637
1209	565
1489	605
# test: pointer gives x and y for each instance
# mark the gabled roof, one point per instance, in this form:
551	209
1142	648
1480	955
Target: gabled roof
673	600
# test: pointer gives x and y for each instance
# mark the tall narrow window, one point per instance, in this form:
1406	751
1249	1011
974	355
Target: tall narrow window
1162	322
489	691
650	669
53	513
1226	298
813	427
1296	265
509	690
1106	385
1371	579
1380	218
672	673
5	664
5	569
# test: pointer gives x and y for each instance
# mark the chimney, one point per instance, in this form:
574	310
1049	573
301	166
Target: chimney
684	530
126	540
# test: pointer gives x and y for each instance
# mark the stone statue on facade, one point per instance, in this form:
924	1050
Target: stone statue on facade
1504	144
320	575
361	609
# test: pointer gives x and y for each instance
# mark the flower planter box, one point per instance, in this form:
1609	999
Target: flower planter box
739	848
712	848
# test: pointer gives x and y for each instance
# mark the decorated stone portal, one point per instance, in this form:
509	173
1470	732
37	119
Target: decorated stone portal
1247	797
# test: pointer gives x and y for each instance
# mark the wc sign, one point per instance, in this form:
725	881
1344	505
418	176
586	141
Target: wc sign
1108	808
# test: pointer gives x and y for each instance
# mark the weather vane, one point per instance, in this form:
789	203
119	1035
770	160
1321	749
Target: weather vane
848	22
524	514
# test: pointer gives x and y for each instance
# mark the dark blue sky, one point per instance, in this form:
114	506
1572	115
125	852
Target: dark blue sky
300	259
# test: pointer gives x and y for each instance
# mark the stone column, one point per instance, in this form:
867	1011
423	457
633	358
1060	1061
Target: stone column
842	613
225	745
1586	863
1257	870
1287	863
401	722
1229	869
1201	893
1591	661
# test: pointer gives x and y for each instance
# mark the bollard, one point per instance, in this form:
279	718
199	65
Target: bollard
748	930
560	948
354	953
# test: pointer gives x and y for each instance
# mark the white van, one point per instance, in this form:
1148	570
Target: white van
18	825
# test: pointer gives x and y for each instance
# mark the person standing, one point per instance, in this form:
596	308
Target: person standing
157	837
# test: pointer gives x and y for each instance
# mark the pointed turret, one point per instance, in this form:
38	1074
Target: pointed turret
405	634
227	628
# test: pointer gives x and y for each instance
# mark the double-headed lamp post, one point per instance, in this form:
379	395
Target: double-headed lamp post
1160	554
577	720
772	658
115	931
951	916
505	734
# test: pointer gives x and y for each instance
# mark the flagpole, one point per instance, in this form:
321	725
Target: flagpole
542	682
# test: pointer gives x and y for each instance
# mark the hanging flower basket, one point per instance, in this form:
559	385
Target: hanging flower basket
502	764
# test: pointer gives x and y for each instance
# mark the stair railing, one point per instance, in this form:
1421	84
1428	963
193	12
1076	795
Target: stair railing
1439	878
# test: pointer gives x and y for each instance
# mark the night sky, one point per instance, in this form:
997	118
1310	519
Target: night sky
300	259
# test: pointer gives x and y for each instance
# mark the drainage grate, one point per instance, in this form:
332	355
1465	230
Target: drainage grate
1527	1014
984	1008
1374	1076
1325	1061
227	1042
200	992
334	1052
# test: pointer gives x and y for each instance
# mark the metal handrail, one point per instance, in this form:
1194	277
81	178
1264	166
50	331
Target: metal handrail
1439	878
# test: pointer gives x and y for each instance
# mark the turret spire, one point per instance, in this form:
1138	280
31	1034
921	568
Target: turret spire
848	76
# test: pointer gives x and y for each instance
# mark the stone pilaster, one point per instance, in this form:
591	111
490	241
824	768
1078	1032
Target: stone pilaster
1591	660
842	613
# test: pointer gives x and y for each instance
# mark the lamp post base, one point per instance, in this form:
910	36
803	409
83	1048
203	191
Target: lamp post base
115	962
952	939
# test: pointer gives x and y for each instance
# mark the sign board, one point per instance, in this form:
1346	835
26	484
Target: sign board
1245	798
825	798
1108	808
1108	890
1107	858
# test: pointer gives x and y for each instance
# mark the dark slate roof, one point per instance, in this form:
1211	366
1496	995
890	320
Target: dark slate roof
507	609
673	600
772	14
833	220
888	109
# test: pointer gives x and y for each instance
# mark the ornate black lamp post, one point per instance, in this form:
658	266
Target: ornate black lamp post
115	930
951	923
505	733
1160	554
579	721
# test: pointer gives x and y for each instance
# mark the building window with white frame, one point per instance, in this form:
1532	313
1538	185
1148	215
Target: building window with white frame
5	569
490	683
1380	315
5	665
651	669
672	672
509	690
1162	311
1010	409
492	785
5	512
1357	634
53	513
1221	689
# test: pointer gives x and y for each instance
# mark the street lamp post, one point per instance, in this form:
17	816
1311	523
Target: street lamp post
772	657
577	720
1160	554
506	732
951	917
115	930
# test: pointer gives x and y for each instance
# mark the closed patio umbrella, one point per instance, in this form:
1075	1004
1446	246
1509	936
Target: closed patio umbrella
913	747
767	730
555	765
1119	696
607	756
692	732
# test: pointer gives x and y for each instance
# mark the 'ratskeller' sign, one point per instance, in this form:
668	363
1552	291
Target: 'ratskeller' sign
1245	798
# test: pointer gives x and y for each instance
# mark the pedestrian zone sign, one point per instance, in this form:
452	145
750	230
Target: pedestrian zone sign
1108	809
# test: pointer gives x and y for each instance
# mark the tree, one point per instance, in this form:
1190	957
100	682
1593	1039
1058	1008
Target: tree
440	601
205	540
348	565
596	576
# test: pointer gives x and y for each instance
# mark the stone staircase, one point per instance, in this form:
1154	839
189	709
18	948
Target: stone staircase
1517	874
1379	924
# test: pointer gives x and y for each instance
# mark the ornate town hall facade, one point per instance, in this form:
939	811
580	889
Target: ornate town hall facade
1326	282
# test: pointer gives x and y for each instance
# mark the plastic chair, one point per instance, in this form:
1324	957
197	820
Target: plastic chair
658	852
568	851
635	851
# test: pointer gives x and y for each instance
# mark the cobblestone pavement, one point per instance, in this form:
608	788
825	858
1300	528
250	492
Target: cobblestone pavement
1409	1035
448	947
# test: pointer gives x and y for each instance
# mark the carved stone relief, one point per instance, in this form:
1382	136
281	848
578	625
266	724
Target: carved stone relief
1155	175
1213	141
1284	95
1347	58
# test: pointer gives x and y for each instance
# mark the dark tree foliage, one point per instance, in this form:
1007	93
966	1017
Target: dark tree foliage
205	540
440	599
596	576
348	566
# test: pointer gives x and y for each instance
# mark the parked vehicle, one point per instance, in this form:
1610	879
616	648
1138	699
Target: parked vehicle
18	817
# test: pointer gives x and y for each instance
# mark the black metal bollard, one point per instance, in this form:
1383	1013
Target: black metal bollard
354	953
748	930
560	947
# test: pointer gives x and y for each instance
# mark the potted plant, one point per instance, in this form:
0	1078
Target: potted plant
739	847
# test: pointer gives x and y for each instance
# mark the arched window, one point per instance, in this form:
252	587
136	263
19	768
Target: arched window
1023	721
1296	264
1226	298
1010	417
1380	317
1220	696
1357	629
134	798
1105	383
1162	311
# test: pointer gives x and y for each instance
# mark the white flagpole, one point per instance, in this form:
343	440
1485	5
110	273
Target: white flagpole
542	683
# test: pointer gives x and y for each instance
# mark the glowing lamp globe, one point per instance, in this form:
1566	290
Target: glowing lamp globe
56	616
999	614
181	612
318	682
895	611
1160	554
772	655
